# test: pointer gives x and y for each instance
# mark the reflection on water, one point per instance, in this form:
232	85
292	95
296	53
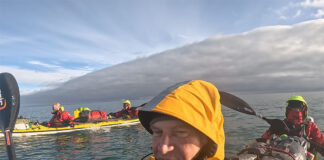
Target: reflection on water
127	142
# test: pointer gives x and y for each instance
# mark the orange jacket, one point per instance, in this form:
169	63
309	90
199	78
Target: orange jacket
132	112
59	117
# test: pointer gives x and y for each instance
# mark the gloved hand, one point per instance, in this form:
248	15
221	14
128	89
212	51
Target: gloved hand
278	127
110	115
126	116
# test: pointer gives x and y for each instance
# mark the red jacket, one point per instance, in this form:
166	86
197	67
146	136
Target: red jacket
312	132
60	117
132	112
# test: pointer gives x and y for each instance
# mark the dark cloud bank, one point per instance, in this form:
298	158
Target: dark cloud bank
270	59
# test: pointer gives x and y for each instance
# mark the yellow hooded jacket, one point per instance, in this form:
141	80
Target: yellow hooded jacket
195	102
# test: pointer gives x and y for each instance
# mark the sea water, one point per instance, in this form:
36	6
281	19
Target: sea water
133	142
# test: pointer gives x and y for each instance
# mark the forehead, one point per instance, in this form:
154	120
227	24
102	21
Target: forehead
171	124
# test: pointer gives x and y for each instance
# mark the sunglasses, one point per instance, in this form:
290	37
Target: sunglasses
296	105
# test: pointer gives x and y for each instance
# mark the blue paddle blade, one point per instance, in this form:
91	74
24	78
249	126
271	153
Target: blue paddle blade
235	103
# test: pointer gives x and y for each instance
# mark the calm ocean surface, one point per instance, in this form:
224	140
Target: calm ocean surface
133	142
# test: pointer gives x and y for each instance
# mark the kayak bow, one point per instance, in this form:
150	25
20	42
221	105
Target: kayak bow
37	129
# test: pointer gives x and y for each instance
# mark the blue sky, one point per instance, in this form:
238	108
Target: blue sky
44	43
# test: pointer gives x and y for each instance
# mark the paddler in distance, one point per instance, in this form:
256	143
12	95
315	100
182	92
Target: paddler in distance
60	117
299	123
186	122
127	112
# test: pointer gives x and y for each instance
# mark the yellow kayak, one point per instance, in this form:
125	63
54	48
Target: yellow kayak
27	129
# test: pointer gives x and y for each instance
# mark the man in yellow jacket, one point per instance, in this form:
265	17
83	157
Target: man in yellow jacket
186	122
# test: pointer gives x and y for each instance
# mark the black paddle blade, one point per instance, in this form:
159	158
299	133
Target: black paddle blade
9	109
9	101
235	103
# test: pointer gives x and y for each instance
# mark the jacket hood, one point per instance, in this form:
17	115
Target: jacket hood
195	102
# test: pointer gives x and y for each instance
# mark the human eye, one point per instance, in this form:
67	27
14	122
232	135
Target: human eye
181	133
156	132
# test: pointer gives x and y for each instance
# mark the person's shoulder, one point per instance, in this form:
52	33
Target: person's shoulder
311	123
66	112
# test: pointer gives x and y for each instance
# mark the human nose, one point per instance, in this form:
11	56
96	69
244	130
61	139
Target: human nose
165	145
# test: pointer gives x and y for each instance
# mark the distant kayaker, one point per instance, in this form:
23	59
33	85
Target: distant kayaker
127	112
60	117
299	123
186	122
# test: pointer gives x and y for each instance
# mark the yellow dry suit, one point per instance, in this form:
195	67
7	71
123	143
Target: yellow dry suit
79	110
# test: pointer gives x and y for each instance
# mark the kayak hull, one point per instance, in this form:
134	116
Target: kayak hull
43	130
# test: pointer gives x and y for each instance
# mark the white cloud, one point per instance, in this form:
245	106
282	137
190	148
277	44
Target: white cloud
277	58
282	12
298	13
313	3
283	17
317	4
319	13
309	8
10	39
43	64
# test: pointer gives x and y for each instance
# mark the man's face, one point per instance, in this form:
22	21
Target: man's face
55	107
126	106
175	140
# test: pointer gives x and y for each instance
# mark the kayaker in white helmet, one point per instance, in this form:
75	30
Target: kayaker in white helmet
60	117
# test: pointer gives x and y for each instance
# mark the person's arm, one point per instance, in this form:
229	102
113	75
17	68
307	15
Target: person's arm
316	136
66	116
51	121
266	135
118	114
134	112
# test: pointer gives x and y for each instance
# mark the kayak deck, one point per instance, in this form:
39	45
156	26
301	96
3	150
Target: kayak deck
44	130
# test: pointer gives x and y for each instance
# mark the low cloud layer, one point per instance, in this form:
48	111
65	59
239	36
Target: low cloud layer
269	59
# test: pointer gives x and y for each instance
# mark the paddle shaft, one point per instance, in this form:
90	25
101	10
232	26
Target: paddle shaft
10	149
